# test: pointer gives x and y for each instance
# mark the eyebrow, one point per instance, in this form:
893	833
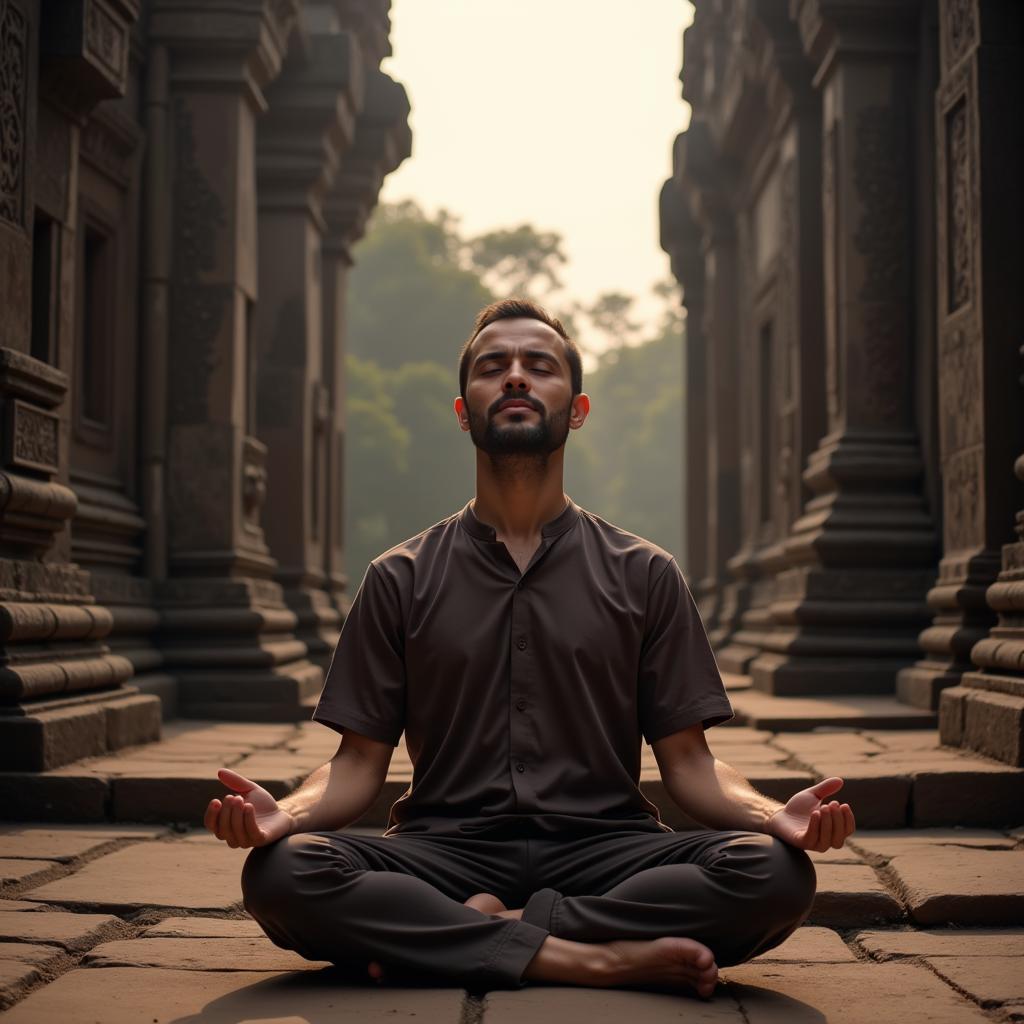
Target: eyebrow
530	353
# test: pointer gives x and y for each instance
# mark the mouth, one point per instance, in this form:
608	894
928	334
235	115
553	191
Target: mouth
516	405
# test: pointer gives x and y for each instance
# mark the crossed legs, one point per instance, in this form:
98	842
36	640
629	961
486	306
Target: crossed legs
629	908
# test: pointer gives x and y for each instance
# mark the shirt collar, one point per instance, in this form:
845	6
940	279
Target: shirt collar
562	522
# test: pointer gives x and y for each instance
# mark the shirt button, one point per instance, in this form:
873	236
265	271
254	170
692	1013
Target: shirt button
521	643
520	767
521	704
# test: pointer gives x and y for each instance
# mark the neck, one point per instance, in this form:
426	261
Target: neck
518	494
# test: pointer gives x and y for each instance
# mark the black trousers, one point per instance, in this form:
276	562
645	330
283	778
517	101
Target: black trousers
399	899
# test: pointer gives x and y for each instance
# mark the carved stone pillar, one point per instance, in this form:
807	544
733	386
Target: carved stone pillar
781	406
680	238
382	141
979	417
714	212
301	141
981	158
226	631
61	692
850	603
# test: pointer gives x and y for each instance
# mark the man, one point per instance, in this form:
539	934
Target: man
523	645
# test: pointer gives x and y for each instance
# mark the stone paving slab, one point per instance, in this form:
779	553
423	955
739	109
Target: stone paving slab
991	981
557	1004
850	896
15	976
73	932
204	928
65	844
891	843
952	884
192	954
6	905
126	995
941	942
13	871
847	994
161	874
810	945
27	953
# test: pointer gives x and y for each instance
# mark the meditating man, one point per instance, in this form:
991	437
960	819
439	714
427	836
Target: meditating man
525	645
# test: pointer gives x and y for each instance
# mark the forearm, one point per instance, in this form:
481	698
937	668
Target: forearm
335	795
715	794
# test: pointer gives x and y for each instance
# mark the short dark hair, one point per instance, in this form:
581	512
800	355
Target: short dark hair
516	309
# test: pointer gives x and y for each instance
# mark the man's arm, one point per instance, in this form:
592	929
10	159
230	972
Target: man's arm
336	794
717	795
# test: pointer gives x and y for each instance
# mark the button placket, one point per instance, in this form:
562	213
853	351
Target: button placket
519	674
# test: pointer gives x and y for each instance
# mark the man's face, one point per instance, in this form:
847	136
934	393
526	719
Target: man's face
518	389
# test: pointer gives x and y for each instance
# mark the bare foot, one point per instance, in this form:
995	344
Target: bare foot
669	962
482	901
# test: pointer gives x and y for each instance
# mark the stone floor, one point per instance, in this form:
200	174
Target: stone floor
110	912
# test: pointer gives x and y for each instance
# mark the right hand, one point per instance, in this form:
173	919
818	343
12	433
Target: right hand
248	817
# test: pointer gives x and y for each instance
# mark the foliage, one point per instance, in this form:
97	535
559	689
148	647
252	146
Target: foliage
415	289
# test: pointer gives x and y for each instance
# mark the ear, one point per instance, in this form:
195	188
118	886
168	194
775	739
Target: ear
580	410
461	412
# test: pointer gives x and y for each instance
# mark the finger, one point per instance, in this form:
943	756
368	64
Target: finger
234	781
252	830
224	820
838	826
848	820
825	829
210	817
824	789
237	824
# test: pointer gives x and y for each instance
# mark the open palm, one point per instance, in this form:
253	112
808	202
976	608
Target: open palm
809	823
248	817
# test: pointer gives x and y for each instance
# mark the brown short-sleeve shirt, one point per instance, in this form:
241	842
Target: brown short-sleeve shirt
523	697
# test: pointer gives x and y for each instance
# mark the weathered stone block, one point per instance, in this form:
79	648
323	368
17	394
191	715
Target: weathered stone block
994	725
63	844
17	871
157	874
992	981
810	946
204	928
49	739
979	793
194	954
132	721
73	932
955	885
939	942
951	714
54	796
850	895
854	994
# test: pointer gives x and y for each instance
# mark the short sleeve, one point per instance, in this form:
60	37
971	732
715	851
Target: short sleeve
679	683
365	686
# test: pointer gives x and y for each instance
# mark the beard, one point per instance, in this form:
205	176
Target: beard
537	439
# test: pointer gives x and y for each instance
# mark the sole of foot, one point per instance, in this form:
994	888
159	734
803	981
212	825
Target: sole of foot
672	963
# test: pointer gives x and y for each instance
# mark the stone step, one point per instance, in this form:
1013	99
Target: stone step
850	711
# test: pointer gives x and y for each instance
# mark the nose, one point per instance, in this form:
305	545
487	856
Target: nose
516	379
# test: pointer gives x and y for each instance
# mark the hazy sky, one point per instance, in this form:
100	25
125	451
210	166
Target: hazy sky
557	112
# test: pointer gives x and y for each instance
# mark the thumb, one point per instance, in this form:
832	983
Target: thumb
239	783
824	789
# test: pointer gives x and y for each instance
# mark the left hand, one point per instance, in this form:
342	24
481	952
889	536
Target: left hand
809	824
